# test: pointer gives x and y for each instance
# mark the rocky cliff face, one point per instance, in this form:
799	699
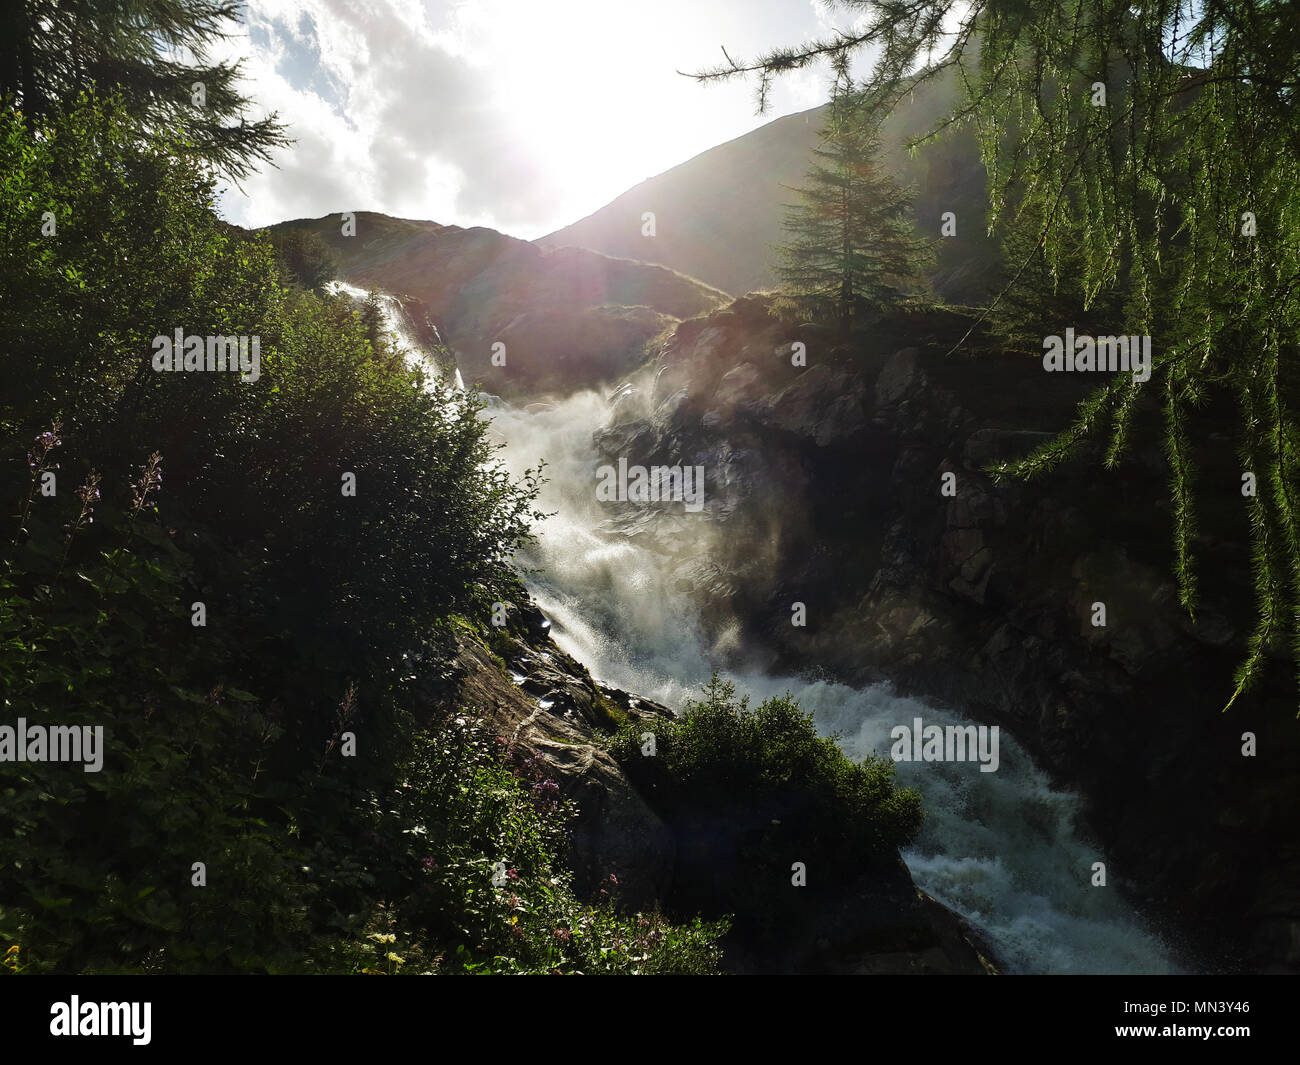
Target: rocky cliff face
824	487
546	708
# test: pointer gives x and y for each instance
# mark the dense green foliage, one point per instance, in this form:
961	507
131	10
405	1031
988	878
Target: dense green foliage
1167	208
851	246
308	260
228	743
470	809
51	51
748	791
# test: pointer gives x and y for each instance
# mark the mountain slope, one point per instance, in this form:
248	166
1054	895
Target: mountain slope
568	317
718	215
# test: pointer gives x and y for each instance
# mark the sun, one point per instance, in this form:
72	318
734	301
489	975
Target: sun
594	100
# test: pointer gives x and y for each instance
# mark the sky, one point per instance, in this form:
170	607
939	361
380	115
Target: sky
521	115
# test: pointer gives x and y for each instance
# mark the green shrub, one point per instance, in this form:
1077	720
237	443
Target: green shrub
747	792
499	645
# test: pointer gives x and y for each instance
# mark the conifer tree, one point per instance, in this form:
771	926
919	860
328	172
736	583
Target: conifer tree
851	245
51	51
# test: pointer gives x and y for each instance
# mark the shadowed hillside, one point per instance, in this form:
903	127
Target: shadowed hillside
717	215
568	317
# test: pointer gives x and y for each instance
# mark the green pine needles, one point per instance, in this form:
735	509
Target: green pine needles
1143	162
154	57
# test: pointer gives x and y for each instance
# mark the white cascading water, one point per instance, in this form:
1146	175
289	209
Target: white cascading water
400	328
1000	848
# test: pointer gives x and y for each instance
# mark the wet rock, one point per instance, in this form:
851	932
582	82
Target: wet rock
737	384
615	831
902	376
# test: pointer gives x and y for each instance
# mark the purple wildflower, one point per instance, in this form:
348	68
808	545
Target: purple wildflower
88	493
546	794
38	463
149	481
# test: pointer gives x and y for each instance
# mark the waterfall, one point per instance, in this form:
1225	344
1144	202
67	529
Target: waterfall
1001	848
398	325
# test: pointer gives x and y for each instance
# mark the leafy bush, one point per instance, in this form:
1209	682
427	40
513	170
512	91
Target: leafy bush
748	792
95	867
254	469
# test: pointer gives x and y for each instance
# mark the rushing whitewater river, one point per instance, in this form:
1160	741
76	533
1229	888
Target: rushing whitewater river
1001	848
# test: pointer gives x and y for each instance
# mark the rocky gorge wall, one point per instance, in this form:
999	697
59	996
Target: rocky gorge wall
824	488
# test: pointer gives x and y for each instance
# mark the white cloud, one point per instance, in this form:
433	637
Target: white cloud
509	113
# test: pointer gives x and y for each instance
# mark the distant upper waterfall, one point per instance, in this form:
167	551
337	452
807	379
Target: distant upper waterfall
398	324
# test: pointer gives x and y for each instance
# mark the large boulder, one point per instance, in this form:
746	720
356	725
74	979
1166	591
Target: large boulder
551	715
